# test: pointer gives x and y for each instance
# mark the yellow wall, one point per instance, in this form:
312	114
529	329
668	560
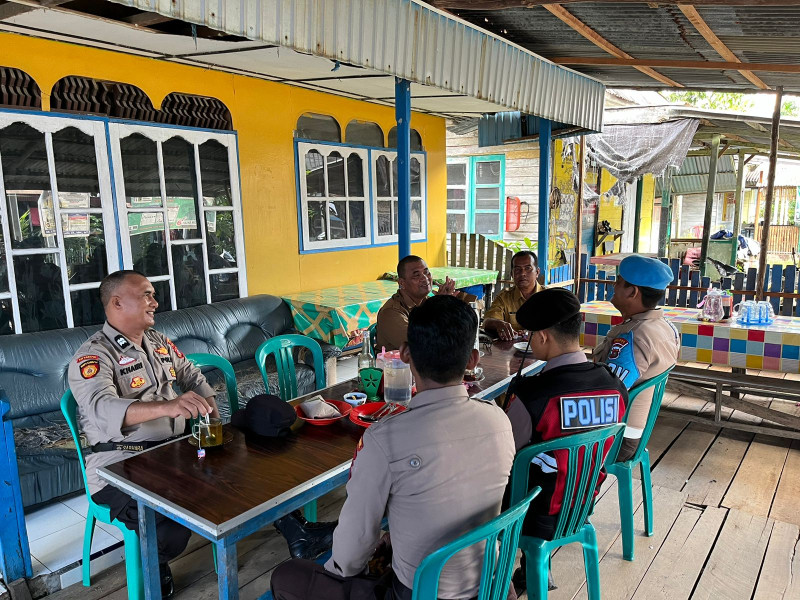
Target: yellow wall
264	115
563	218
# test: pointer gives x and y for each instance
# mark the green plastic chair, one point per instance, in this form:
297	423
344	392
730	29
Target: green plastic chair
623	471
373	340
282	346
585	450
102	513
212	360
498	565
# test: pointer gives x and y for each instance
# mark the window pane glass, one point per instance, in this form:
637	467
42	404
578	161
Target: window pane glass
3	267
41	300
395	210
87	308
338	217
162	295
385	217
456	224
487	198
416	216
315	174
190	279
76	169
311	126
317	226
180	181
457	174
364	133
415	141
148	247
456	205
335	175
488	223
215	174
394	177
6	317
84	247
220	239
27	181
382	188
140	171
416	188
487	172
224	286
355	176
456	199
357	225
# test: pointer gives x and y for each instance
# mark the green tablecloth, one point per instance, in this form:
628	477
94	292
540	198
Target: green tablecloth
338	314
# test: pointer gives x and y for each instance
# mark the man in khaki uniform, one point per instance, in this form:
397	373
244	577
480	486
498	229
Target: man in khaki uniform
437	470
501	316
122	378
415	284
645	344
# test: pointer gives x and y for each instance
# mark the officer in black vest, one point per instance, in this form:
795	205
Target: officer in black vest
570	395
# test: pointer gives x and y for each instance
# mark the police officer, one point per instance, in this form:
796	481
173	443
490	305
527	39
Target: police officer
645	344
438	470
501	316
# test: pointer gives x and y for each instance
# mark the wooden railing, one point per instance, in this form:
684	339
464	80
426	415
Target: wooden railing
688	288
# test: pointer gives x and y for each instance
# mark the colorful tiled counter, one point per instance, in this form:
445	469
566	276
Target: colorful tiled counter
774	347
337	315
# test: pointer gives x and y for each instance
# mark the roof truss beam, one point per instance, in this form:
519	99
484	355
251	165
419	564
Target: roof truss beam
503	4
676	64
590	34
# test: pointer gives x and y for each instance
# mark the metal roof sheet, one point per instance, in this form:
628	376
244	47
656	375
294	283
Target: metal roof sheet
409	40
692	177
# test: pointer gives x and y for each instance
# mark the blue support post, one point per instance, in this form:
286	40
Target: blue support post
16	555
545	130
402	111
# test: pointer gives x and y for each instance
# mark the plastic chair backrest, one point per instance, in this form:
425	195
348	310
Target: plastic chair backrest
69	407
212	360
497	566
584	462
373	339
282	347
659	385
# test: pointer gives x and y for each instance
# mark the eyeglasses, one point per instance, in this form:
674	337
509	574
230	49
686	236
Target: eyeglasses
525	269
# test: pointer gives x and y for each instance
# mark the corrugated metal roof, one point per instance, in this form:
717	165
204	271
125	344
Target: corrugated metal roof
496	129
692	177
407	40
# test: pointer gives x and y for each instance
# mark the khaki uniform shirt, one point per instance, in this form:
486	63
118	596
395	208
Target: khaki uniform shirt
438	471
506	305
109	372
654	344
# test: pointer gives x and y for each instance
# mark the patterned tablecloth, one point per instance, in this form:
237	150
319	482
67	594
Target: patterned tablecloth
773	347
337	315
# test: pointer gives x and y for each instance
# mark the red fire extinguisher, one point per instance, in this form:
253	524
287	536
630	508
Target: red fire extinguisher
512	213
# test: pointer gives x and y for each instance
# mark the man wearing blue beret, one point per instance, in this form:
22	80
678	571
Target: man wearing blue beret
645	344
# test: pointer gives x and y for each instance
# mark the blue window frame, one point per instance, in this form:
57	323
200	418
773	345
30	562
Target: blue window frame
476	195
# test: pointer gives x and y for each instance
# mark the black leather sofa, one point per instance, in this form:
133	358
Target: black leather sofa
33	374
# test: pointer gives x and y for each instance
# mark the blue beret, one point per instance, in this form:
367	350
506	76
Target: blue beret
645	272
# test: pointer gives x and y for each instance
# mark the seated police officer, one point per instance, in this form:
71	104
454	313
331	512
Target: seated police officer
570	395
437	470
122	379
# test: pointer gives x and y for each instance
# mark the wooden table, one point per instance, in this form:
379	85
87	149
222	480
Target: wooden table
253	481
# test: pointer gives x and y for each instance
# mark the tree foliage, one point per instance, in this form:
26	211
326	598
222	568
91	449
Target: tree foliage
713	100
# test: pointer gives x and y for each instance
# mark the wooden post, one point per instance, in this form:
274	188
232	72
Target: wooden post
666	213
712	184
738	199
637	216
773	160
579	213
545	156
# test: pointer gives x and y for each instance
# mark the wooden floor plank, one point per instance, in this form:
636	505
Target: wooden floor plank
679	462
733	567
780	575
666	429
754	485
688	544
709	482
785	505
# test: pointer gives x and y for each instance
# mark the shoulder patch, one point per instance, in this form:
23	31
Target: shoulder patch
89	367
172	345
87	357
137	382
617	345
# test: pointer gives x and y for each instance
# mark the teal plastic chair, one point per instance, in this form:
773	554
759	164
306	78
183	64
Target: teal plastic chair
212	360
623	471
102	513
498	564
584	451
282	346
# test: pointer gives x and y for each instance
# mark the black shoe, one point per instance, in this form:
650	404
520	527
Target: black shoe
306	540
167	584
519	582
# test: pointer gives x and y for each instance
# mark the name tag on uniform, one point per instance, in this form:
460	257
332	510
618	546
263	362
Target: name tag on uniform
583	412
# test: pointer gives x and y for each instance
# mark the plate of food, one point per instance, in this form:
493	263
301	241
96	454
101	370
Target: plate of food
522	347
343	407
373	412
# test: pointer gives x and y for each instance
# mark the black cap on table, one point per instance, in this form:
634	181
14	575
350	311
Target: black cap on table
265	415
547	308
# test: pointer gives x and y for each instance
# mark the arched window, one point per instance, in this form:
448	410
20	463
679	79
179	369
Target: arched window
312	126
416	139
364	133
18	89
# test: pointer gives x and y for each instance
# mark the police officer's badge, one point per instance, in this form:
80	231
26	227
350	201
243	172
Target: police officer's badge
162	350
137	382
172	371
122	341
89	368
